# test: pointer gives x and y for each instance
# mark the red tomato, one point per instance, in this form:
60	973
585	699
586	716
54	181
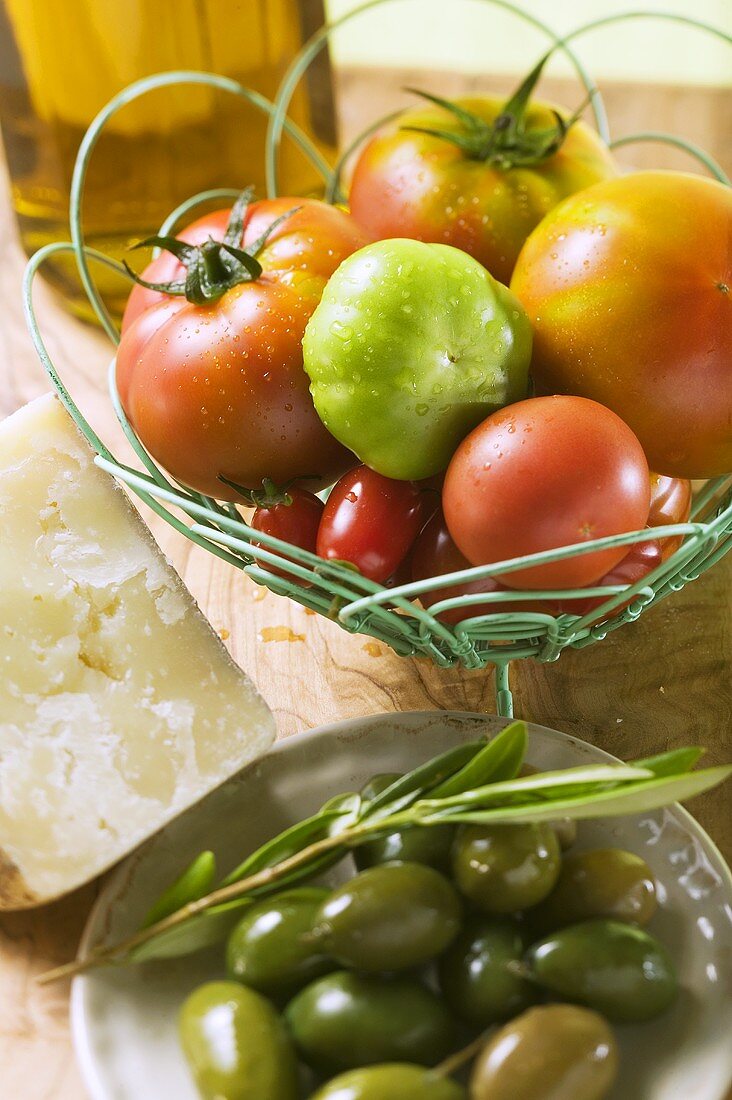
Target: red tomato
545	473
435	554
219	389
629	288
484	200
296	522
670	504
371	521
642	559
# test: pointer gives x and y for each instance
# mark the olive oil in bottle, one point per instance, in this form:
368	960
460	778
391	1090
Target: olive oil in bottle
62	60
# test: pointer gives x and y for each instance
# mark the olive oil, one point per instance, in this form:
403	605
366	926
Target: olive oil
62	60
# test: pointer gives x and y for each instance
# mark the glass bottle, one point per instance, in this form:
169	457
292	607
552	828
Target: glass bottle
62	60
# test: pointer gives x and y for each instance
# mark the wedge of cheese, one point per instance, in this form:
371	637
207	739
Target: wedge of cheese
119	705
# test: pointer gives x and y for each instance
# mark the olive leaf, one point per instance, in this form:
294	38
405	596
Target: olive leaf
500	759
422	779
195	882
638	797
671	763
544	786
286	844
194	934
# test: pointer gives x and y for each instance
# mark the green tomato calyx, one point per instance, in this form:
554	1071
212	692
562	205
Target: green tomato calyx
213	267
506	142
270	494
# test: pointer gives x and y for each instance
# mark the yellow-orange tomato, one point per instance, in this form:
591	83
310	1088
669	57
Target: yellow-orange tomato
408	184
629	289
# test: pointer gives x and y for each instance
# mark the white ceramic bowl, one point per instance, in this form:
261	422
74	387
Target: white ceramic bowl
124	1019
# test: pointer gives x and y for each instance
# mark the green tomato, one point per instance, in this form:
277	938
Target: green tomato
410	348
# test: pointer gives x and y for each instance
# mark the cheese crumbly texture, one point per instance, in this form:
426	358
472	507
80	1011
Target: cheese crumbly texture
119	705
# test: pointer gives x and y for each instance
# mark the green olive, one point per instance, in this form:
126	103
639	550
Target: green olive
505	868
236	1045
554	1052
607	882
431	845
615	968
566	830
391	1082
391	917
474	975
346	1020
270	949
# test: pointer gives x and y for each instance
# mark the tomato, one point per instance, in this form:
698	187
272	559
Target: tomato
370	521
218	389
294	519
435	554
642	559
629	288
545	473
670	504
411	346
445	173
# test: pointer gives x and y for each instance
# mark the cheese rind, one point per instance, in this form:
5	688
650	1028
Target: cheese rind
119	705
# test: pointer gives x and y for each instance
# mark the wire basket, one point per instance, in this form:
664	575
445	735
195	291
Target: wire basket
330	588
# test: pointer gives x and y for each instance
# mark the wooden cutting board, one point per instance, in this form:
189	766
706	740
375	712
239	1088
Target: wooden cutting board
661	682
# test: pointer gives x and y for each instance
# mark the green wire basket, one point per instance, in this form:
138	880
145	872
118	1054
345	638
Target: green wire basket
360	605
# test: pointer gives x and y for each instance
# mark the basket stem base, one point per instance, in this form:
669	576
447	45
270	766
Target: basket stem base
504	696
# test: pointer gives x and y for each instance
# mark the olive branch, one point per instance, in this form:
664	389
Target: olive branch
476	783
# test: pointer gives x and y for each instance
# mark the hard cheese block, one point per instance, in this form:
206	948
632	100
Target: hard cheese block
119	705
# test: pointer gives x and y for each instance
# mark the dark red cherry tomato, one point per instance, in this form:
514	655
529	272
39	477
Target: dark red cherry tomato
295	519
435	554
670	504
371	521
638	563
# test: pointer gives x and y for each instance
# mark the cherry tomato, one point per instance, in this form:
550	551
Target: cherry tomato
462	185
545	473
295	519
219	390
435	554
629	288
670	504
642	559
370	521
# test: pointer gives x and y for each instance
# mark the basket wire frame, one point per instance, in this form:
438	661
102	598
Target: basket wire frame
332	589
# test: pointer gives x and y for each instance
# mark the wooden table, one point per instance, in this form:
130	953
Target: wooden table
661	682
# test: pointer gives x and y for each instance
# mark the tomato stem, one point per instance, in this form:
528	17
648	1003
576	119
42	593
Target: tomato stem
506	142
214	267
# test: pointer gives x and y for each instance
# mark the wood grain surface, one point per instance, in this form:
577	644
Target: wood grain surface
663	681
